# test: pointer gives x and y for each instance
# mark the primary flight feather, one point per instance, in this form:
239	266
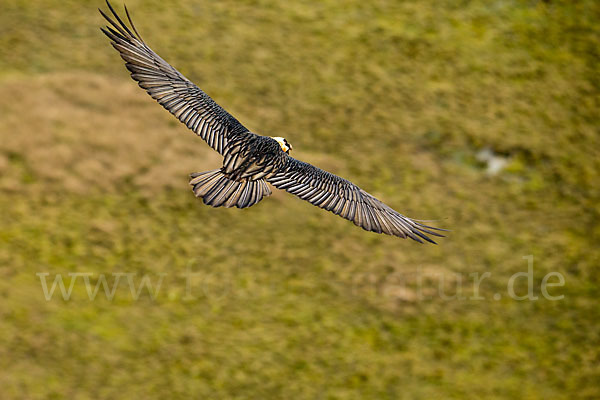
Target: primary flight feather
249	160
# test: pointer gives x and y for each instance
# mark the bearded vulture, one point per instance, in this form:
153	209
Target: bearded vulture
250	161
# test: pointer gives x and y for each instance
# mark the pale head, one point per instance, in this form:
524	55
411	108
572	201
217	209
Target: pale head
285	145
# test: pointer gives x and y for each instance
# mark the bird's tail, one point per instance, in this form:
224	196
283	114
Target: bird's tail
217	190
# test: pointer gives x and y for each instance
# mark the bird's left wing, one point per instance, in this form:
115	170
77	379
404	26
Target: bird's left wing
170	88
343	198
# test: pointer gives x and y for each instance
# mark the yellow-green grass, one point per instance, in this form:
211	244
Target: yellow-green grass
291	301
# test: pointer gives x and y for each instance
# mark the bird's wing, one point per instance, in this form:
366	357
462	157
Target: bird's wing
170	88
342	197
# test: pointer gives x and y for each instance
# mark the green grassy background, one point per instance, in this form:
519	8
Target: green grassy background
293	302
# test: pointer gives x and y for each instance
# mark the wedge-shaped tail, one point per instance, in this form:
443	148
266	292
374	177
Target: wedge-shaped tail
217	190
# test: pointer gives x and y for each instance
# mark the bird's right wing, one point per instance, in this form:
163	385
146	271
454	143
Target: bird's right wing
332	193
170	88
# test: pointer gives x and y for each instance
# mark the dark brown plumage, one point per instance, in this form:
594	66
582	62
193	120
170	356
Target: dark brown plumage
249	160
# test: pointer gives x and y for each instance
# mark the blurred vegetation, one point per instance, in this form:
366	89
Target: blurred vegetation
290	301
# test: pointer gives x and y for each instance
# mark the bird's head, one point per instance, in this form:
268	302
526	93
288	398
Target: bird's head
285	145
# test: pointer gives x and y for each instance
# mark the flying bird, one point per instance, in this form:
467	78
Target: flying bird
249	160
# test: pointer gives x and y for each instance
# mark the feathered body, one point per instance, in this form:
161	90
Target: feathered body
253	157
248	160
